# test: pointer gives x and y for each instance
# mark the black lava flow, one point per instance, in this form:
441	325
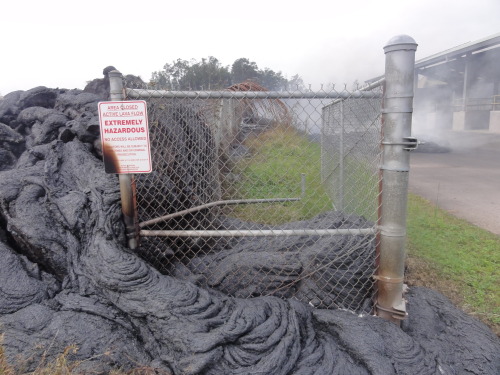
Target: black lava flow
66	277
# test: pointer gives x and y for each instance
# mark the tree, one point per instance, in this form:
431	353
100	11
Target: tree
210	74
244	69
272	80
207	74
170	77
296	83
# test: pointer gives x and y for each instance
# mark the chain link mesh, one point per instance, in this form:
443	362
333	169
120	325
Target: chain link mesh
267	168
350	154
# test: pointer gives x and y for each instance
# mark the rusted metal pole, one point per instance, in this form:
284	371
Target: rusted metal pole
126	180
214	204
397	141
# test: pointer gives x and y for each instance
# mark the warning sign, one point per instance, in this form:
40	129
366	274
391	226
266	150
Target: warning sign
125	137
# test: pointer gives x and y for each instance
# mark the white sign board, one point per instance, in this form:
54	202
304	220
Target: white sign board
125	137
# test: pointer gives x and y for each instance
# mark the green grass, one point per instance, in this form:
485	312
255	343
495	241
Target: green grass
462	253
279	157
360	188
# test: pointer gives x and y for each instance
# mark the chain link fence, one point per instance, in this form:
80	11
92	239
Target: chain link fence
351	152
241	198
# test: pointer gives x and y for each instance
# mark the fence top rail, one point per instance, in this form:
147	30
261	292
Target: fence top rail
366	88
226	94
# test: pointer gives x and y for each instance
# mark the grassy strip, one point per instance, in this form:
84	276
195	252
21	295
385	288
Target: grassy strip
459	254
279	157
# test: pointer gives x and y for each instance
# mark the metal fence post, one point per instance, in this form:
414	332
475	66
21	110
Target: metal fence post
342	157
126	180
396	142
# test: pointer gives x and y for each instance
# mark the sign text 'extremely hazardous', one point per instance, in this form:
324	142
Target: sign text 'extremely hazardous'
130	151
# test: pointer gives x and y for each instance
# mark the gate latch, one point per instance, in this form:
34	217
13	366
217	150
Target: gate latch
411	143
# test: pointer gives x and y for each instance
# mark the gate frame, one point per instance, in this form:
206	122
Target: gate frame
396	142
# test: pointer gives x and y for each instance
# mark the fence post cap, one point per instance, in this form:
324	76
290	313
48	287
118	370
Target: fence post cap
400	42
114	73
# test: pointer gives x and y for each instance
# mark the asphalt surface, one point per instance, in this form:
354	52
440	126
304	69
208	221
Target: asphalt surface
464	181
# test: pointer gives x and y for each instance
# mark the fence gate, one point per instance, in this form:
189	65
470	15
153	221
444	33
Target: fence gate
256	193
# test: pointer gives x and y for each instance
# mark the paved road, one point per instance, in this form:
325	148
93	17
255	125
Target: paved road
465	181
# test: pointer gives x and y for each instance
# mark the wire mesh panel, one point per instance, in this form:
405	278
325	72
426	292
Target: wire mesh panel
350	153
237	201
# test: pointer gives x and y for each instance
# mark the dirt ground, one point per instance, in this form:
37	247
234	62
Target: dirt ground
464	181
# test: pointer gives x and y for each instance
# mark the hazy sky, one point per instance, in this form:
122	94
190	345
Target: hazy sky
58	43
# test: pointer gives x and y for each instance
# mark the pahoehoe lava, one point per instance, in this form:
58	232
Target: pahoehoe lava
66	277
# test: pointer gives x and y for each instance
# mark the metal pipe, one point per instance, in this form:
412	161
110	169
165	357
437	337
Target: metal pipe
128	208
213	204
302	185
396	129
342	157
141	93
126	180
256	232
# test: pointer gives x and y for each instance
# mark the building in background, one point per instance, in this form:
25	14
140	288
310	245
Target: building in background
459	88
